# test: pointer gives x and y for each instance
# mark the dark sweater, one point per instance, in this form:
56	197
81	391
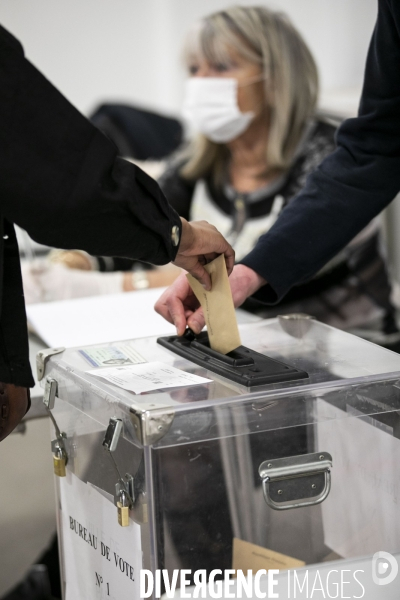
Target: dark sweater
316	144
352	185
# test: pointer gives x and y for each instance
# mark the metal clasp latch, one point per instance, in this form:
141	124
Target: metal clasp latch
296	481
124	489
60	456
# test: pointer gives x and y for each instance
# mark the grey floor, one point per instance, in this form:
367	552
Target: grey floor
27	500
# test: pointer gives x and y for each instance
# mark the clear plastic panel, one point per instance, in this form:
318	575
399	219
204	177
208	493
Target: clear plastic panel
210	492
199	478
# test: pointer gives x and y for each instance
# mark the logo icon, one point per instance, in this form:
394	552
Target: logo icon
384	568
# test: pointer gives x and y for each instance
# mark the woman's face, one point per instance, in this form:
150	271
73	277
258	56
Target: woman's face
247	74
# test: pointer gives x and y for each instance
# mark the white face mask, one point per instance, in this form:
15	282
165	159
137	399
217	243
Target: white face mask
210	105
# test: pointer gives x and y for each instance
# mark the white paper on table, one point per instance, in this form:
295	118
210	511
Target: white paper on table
89	526
99	319
148	376
361	514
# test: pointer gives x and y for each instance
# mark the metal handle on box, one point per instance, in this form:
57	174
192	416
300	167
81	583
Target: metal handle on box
297	481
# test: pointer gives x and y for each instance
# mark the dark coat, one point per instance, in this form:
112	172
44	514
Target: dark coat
350	289
352	185
61	180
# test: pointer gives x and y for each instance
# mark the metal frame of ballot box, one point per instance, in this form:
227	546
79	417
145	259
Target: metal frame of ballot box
298	472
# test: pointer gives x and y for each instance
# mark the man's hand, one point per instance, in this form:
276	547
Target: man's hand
179	305
200	244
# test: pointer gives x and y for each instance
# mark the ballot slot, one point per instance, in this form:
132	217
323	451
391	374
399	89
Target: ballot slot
242	365
236	358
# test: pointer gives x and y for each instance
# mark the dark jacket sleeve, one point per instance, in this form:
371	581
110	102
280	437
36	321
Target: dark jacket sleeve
60	178
351	186
177	190
179	194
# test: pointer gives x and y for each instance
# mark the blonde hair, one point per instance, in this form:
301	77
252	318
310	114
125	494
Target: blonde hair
290	74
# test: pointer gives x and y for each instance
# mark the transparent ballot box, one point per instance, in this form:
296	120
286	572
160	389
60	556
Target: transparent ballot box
284	455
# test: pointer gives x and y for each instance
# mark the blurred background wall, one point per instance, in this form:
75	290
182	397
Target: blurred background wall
130	49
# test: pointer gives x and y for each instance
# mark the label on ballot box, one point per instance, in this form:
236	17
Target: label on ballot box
101	559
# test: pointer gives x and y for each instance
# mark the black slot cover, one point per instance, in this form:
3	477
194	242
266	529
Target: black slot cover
243	365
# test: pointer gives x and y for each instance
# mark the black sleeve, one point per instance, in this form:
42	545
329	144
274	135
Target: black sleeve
115	263
177	190
179	194
60	178
351	186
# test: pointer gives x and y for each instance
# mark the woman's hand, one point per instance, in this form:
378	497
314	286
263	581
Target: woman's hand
73	259
159	277
179	305
201	243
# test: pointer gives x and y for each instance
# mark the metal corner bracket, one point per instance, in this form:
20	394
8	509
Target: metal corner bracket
149	427
42	358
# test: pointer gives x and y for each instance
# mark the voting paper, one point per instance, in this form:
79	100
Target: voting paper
218	308
147	377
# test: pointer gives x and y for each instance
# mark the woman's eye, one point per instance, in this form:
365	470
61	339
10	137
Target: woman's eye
193	69
221	67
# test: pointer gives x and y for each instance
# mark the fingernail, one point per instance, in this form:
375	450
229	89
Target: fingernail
195	326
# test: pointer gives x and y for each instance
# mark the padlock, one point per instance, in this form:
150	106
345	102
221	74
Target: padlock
123	510
60	462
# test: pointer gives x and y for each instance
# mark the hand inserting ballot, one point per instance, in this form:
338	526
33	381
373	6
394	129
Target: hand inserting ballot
179	306
200	243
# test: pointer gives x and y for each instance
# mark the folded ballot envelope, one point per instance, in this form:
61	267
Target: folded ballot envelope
218	308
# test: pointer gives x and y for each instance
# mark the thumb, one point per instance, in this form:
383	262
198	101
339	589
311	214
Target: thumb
199	273
196	321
